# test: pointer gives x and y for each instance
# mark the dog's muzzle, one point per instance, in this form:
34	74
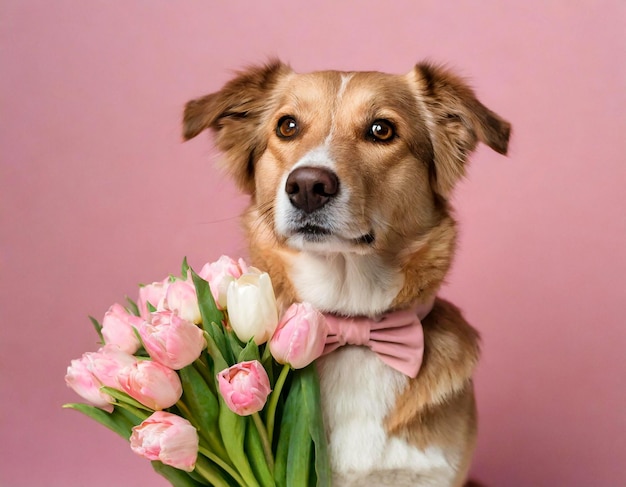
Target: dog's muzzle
315	214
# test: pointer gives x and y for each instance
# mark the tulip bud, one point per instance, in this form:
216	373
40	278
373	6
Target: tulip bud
117	328
244	387
167	438
171	340
300	336
154	294
96	369
220	274
181	297
87	385
152	384
252	308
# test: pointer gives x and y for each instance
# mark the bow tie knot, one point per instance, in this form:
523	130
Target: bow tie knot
397	337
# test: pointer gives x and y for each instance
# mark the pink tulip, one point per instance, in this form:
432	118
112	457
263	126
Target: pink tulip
244	387
181	297
168	438
152	384
171	340
117	328
300	336
220	274
87	385
154	294
96	369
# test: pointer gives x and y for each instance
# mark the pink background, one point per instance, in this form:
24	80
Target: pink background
98	194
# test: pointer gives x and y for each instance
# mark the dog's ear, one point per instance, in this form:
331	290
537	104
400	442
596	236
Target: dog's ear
457	121
234	114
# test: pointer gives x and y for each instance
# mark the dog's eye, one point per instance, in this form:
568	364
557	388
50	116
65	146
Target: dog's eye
287	127
382	130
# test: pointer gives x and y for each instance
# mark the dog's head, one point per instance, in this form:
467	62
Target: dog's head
356	162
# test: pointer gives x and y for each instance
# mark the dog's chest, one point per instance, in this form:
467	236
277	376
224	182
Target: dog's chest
358	390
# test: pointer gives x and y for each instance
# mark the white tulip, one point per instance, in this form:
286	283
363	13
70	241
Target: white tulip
252	308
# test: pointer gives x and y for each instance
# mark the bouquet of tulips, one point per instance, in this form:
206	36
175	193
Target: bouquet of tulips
205	379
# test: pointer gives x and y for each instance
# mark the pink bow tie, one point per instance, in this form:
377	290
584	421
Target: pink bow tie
397	337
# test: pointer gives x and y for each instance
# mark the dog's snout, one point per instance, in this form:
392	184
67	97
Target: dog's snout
310	188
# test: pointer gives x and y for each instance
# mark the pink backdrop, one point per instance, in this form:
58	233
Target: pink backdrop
98	194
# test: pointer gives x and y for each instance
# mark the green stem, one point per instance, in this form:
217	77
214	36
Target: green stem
210	476
203	370
266	353
182	407
132	409
212	441
273	402
218	461
267	446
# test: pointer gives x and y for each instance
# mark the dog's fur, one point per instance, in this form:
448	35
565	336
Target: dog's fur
386	242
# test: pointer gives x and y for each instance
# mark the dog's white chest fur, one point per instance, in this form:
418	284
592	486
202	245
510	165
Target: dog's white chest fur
358	390
346	284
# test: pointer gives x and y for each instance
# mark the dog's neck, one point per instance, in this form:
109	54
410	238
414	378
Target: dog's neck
349	284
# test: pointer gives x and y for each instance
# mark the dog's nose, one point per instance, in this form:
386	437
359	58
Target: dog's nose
310	188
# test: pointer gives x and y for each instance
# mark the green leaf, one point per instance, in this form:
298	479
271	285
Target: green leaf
208	308
132	306
233	430
235	345
203	406
300	448
206	368
130	418
215	351
178	478
184	268
115	421
302	440
254	448
98	328
151	309
250	352
289	419
219	335
216	477
126	399
311	400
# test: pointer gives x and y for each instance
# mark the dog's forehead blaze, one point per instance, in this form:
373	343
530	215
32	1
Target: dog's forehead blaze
320	97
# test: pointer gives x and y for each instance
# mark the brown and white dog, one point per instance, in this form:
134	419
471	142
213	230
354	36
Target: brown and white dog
350	175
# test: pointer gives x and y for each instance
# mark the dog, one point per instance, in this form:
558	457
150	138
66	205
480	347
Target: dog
350	176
